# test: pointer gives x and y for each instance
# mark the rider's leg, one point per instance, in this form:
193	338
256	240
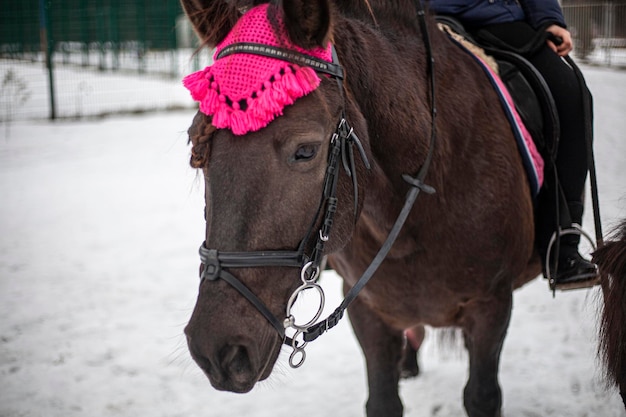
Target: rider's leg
571	159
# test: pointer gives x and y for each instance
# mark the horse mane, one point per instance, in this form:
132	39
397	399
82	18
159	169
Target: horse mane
200	134
379	11
212	22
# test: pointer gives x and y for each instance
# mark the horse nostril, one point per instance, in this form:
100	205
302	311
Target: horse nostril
235	361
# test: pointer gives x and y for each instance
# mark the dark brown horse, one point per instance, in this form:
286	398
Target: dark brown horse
461	252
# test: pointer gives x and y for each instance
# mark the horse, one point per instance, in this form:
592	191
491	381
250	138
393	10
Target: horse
430	206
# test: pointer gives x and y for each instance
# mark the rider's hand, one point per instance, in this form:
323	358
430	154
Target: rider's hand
562	34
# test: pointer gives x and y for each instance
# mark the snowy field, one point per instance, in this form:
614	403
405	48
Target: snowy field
99	227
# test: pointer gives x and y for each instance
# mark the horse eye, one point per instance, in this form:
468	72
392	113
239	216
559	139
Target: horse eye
306	152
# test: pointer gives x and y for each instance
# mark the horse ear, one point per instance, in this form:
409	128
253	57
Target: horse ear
212	19
308	22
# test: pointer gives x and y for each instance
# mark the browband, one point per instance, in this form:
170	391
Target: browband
289	55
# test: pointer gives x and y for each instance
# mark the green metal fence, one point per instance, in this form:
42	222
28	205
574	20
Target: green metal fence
108	34
88	24
74	58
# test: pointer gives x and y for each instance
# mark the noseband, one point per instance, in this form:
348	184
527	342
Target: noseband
215	263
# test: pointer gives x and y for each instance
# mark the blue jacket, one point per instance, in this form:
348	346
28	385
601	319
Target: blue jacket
488	12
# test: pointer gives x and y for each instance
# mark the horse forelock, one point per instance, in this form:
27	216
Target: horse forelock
200	133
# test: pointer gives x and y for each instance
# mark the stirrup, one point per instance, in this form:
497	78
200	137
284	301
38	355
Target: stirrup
593	280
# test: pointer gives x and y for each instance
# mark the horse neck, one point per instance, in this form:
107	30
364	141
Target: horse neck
387	80
387	77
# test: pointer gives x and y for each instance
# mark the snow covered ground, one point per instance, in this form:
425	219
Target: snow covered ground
99	227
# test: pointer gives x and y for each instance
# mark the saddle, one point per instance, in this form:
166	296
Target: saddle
530	93
535	105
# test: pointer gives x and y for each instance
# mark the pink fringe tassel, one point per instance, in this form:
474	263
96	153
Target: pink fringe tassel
261	110
197	84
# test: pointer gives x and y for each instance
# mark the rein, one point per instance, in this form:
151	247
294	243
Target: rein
342	141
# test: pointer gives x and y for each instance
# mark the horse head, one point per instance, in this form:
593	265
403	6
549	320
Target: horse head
276	150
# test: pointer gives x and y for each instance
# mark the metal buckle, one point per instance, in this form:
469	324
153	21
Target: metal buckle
308	283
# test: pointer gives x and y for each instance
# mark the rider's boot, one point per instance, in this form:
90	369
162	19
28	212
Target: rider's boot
572	270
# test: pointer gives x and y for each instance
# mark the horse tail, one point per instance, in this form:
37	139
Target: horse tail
611	261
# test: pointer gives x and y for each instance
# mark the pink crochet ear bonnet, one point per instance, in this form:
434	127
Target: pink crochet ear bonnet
245	92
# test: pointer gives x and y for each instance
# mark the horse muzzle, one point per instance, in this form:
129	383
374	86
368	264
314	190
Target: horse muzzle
234	366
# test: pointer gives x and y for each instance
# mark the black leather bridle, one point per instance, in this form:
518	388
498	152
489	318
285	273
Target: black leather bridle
217	263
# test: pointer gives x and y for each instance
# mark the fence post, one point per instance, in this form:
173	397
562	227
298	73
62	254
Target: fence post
609	31
47	44
172	12
114	28
84	33
141	36
101	21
